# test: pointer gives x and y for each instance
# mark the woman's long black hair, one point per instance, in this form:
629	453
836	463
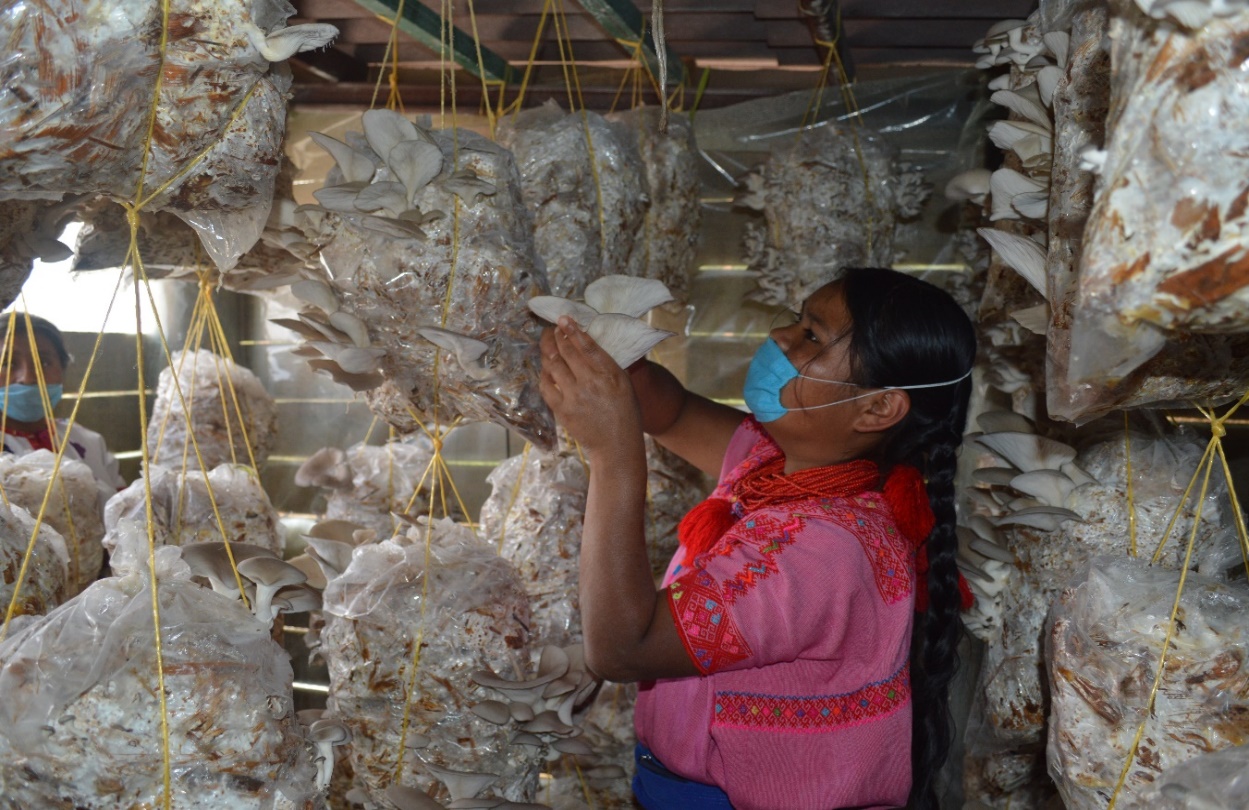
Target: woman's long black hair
908	332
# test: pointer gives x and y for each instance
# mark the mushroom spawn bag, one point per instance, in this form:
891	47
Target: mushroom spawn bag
80	726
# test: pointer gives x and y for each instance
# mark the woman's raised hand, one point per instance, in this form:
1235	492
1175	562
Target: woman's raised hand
591	397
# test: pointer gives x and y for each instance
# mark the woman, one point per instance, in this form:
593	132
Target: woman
777	651
27	426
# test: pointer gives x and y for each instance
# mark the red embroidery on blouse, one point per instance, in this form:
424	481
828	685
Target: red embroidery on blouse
890	555
707	629
768	536
812	714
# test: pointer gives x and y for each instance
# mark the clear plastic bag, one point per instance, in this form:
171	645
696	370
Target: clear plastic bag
535	514
47	583
589	221
73	507
92	86
1162	269
384	479
1103	648
468	270
184	512
468	608
216	391
81	724
673	211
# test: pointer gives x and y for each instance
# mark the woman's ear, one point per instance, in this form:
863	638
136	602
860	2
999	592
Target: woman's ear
883	411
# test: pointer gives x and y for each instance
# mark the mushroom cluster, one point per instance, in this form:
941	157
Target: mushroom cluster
365	484
89	75
271	585
830	198
535	513
1040	511
420	257
674	208
81	724
47	582
411	716
1121	329
612	314
583	180
186	507
223	403
1105	643
73	509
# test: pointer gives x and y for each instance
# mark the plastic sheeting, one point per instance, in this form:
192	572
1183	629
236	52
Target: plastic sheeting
535	514
469	611
223	403
81	725
1103	649
47	582
583	180
73	507
183	509
80	98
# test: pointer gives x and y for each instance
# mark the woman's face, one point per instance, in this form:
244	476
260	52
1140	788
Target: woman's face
818	346
22	370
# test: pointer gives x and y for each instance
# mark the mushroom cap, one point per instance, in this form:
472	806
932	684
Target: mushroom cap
1045	518
316	292
325	468
969	185
1028	451
1050	487
462	784
271	571
551	308
299	598
384	128
1022	254
329	730
572	745
494	711
626	338
626	295
409	798
341	530
994	476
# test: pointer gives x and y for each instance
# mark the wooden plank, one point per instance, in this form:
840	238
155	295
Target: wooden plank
326	10
333	64
881	56
425	27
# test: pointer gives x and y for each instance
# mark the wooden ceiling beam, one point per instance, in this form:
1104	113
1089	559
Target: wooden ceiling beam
992	10
426	27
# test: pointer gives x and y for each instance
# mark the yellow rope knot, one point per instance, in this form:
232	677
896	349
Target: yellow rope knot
437	445
1217	429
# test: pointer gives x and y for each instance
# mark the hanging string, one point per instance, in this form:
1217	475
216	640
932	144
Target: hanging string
511	501
1214	447
1127	455
661	56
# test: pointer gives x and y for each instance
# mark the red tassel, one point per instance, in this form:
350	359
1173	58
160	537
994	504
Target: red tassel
907	497
703	525
966	598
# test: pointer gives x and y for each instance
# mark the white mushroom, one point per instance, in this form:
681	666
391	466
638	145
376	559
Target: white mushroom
626	295
462	784
551	308
1059	43
994	476
315	292
1046	518
1025	256
972	185
415	163
470	188
625	338
327	733
211	560
1050	487
298	598
997	421
387	197
351	326
383	129
284	43
270	575
1008	189
468	352
1026	102
325	468
493	711
409	798
1028	451
1035	319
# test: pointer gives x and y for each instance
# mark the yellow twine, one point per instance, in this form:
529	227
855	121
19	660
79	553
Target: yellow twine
1215	446
585	786
511	501
56	461
6	359
481	72
516	104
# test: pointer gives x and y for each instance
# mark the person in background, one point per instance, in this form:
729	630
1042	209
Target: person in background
27	427
799	652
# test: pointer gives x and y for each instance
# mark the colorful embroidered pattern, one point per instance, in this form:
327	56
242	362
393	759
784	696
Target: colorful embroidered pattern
707	629
766	534
892	560
812	714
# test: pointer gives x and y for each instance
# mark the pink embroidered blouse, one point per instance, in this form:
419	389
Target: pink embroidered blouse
800	619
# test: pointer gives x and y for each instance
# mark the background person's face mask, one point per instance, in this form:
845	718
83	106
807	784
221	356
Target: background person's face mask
770	371
23	403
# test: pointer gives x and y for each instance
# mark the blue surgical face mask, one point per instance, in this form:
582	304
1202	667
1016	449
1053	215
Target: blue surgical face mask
23	403
770	371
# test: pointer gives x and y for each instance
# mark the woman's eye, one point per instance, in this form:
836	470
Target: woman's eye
811	336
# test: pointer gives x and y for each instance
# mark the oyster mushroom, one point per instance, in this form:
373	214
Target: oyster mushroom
270	575
327	733
409	798
1028	451
315	292
468	352
284	43
211	561
462	784
1024	255
972	185
325	468
626	295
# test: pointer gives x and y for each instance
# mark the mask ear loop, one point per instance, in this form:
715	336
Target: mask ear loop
875	390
